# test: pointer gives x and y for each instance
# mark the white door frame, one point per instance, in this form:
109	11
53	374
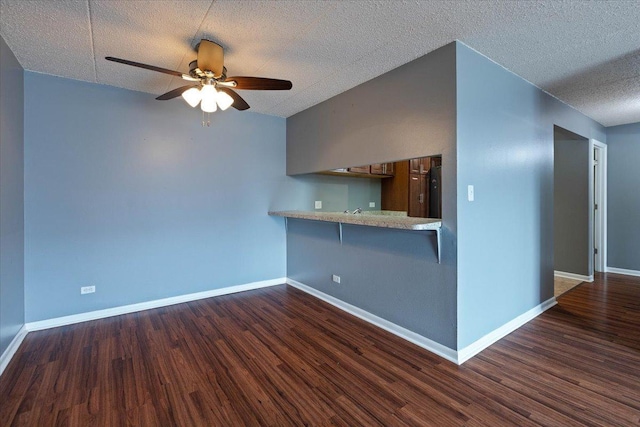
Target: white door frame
598	165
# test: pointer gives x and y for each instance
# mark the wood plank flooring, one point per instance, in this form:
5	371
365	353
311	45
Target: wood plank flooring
279	357
562	285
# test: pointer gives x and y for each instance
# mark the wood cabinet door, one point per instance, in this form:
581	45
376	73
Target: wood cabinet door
377	169
417	196
382	169
425	165
360	169
420	165
414	166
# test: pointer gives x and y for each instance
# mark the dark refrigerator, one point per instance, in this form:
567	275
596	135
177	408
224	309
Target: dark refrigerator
435	192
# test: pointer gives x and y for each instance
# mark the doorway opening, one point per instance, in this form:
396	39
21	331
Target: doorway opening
599	205
579	209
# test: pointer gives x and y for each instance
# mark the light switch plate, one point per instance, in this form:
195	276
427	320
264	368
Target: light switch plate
470	193
318	204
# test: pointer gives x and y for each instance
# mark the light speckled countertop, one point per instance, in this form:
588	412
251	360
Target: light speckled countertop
369	219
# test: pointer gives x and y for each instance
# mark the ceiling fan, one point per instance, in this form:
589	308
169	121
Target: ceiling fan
211	88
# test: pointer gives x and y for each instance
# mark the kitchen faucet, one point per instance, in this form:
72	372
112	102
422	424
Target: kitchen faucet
357	211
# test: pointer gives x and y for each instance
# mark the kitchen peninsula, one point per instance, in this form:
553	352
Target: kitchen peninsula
383	219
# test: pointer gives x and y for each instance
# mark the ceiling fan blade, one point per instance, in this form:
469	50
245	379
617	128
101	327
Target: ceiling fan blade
238	102
145	66
211	57
175	93
260	83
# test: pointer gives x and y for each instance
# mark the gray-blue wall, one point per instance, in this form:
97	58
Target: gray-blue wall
623	185
505	149
390	273
133	196
406	113
337	193
11	197
495	131
571	203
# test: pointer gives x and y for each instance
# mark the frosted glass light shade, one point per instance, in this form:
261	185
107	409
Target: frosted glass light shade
208	104
192	96
224	100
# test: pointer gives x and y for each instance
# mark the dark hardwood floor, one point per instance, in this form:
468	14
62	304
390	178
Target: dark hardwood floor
280	357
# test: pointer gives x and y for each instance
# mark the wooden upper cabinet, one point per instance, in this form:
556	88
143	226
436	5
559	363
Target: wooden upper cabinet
360	169
379	170
382	169
414	166
376	169
420	165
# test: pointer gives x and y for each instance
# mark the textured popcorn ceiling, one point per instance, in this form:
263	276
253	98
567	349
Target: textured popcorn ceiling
585	53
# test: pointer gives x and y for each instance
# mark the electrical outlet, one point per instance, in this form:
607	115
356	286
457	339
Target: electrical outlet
335	278
470	193
372	204
87	290
318	204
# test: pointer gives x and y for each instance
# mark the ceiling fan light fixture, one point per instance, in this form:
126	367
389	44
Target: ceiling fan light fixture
209	95
192	96
224	100
207	73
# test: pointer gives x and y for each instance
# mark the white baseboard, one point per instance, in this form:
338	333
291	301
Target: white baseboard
406	334
457	357
132	308
6	356
623	271
574	276
476	347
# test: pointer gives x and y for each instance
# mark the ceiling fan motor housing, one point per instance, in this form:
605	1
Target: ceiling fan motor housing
197	73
